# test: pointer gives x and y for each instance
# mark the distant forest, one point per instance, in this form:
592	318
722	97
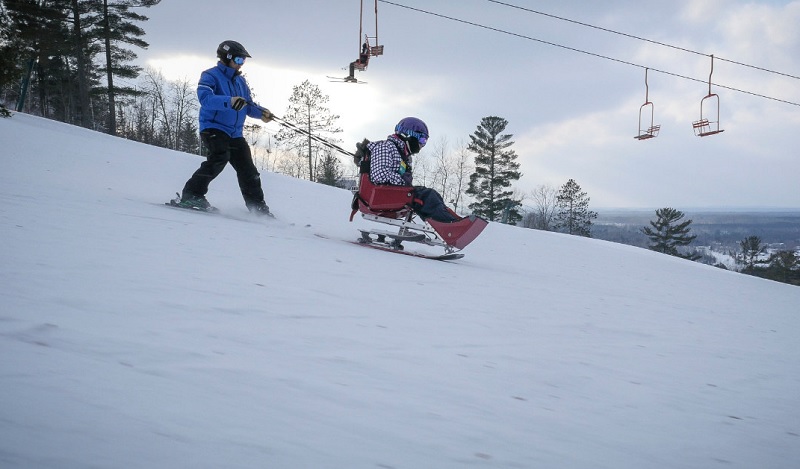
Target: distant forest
722	230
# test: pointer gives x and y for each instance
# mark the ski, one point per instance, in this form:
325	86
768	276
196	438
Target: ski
385	247
389	248
176	203
346	80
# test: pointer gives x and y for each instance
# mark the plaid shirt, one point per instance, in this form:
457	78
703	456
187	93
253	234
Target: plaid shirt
385	159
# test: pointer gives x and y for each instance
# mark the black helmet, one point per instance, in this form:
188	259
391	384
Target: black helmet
230	49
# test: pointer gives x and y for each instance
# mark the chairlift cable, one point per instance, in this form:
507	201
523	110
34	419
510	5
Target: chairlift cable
664	44
522	36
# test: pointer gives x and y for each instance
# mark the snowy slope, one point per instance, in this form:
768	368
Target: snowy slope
133	335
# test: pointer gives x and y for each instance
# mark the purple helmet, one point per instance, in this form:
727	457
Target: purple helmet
413	127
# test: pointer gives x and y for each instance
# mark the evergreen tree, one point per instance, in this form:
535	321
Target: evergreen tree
6	63
572	211
495	169
307	111
10	48
330	170
57	42
668	233
82	54
751	251
784	266
34	45
118	27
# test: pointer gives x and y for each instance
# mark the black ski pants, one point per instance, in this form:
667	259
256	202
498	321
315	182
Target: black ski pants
222	150
429	204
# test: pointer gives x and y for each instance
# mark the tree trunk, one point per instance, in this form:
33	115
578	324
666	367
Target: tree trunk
310	160
83	82
112	114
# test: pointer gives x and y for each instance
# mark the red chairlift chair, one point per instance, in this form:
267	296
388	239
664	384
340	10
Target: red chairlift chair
366	50
652	130
705	126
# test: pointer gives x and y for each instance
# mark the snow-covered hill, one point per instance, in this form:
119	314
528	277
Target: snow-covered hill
133	335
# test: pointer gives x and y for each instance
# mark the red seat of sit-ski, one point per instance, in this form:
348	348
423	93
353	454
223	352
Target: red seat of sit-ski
383	200
459	233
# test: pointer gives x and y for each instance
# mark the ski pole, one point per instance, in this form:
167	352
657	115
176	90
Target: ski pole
299	130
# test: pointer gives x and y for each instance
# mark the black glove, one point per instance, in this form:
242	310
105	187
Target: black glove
361	152
237	103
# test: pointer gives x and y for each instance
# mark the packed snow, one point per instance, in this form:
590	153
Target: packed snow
135	335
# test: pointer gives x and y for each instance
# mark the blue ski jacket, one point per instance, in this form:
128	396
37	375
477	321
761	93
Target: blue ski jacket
216	87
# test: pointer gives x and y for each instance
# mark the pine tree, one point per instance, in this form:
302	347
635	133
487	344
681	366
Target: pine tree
751	250
668	233
10	42
572	210
34	50
784	266
330	170
57	42
495	170
118	27
307	111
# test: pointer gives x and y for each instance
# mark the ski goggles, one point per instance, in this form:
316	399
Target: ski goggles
421	138
238	60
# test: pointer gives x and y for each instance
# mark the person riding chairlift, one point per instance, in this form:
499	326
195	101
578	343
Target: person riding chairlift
361	63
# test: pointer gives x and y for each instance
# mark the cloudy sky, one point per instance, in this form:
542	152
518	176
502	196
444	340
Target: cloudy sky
571	93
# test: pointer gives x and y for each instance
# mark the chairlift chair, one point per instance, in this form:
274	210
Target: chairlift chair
376	50
365	49
705	126
372	50
652	130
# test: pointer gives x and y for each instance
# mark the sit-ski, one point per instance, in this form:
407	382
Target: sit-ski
391	205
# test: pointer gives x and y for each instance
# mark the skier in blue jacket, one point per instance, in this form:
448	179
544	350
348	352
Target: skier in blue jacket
225	101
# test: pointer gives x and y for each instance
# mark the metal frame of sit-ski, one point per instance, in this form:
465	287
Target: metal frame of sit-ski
407	227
